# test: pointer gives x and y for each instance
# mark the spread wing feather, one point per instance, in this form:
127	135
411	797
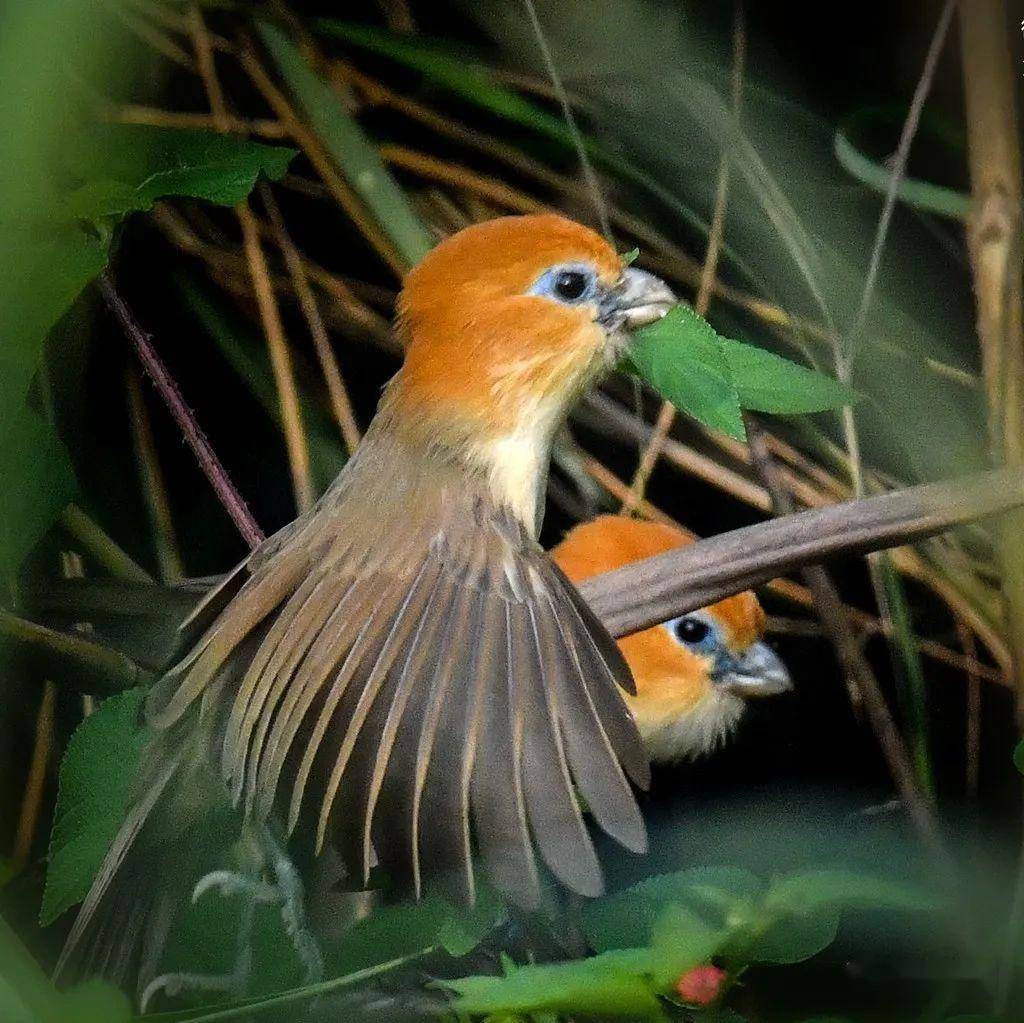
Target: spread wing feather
420	680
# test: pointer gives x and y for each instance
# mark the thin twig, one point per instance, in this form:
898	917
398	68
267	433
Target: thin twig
133	113
154	490
317	156
589	175
183	416
898	169
296	443
336	389
101	547
972	738
35	782
280	361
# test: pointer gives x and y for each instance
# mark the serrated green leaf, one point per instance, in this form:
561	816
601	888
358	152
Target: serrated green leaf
814	890
124	168
682	358
351	150
38	483
766	382
96	776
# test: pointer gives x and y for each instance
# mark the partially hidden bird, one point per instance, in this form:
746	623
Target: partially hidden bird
693	674
403	671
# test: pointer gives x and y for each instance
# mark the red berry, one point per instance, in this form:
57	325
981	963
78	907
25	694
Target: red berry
701	985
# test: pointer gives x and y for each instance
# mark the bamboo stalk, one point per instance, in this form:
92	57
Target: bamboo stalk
994	231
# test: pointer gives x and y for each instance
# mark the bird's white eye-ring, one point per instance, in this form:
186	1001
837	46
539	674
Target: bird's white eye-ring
571	284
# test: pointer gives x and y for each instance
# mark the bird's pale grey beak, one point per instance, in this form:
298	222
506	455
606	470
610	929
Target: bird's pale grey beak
639	298
759	672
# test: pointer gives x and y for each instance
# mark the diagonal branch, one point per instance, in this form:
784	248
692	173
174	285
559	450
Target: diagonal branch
652	591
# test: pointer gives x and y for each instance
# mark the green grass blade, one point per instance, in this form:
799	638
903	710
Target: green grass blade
349	147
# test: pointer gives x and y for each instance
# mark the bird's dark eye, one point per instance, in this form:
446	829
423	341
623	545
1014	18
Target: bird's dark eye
691	631
571	285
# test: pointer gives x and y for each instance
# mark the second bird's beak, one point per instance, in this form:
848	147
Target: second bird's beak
759	672
638	298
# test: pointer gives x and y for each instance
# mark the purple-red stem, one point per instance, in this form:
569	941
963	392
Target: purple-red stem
225	490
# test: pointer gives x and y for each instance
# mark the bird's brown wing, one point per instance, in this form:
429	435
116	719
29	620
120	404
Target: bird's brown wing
422	681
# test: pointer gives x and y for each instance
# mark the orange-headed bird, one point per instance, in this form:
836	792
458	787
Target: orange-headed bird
693	674
403	670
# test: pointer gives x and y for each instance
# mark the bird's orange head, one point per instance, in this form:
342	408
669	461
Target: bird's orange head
504	324
693	674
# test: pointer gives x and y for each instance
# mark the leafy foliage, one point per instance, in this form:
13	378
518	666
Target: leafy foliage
58	241
650	935
126	168
96	777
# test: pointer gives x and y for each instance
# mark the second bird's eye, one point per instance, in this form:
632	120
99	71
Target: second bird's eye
691	630
571	285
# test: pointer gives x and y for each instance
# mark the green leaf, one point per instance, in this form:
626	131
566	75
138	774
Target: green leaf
38	483
611	984
766	382
94	1001
1018	756
43	268
792	939
813	890
25	991
353	152
96	777
13	1007
683	359
393	931
124	168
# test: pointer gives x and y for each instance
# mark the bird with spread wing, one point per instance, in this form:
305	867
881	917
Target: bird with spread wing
402	671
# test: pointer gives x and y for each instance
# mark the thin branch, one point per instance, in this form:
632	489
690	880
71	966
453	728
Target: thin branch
861	683
86	665
154	490
589	175
101	547
280	361
32	801
336	389
211	465
270	316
